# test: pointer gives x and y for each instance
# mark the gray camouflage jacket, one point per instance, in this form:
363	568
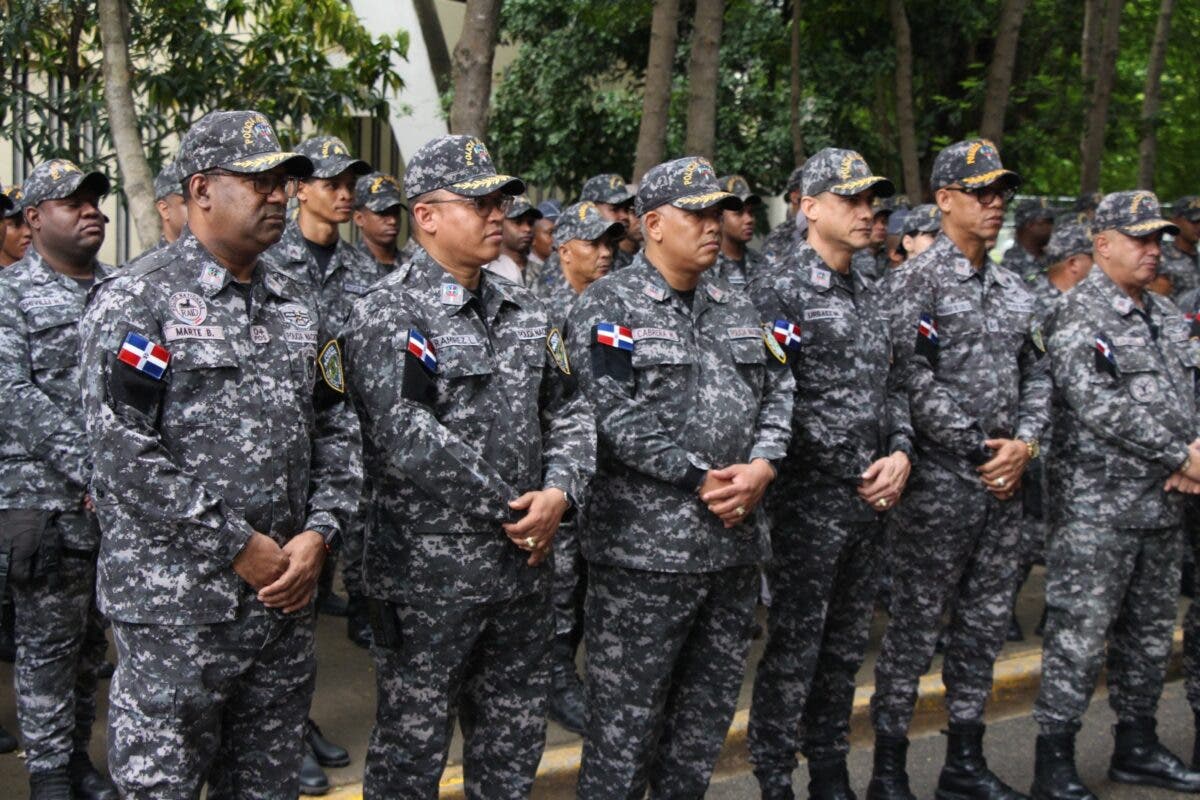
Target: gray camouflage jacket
739	274
849	409
1129	415
451	439
984	376
248	429
695	389
44	460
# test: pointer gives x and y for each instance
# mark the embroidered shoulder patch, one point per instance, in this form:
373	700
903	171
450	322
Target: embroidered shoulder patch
558	350
331	367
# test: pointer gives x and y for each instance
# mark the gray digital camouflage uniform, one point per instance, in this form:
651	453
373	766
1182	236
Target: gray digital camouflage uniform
1182	268
666	581
956	544
780	240
248	430
1126	376
465	624
739	274
45	465
1022	262
824	538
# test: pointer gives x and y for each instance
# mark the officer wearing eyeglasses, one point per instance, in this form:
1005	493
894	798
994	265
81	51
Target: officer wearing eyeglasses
969	352
226	463
477	446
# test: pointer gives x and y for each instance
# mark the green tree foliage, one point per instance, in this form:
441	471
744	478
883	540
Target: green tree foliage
568	106
297	61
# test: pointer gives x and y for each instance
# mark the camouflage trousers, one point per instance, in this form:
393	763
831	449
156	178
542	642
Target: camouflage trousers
351	551
484	663
956	549
822	598
224	702
60	645
666	654
1114	584
569	585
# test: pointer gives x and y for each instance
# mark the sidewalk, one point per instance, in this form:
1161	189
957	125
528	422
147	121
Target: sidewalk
345	706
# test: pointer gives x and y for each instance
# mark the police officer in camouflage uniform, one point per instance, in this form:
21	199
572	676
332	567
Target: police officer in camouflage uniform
585	242
693	406
516	239
168	201
610	194
44	471
1034	221
738	263
1180	258
1126	370
919	229
17	235
872	260
968	350
378	204
846	466
477	443
226	463
788	233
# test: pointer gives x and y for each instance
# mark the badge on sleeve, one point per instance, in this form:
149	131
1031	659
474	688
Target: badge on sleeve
558	350
927	339
330	361
774	349
786	333
1106	360
422	350
144	355
612	335
612	352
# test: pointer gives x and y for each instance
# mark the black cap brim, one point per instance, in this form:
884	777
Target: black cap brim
700	202
6	205
383	204
335	166
989	178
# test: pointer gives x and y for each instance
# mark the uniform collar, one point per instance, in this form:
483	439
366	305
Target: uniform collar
655	286
41	273
1116	299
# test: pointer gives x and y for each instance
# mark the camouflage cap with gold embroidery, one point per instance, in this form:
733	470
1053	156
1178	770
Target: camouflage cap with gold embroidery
843	172
17	198
1033	209
522	207
459	164
331	157
1069	238
736	184
606	188
59	178
168	181
925	218
688	183
1187	208
583	221
1135	214
378	192
6	202
973	163
795	180
237	141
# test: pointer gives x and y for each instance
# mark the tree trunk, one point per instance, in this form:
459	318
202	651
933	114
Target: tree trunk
136	179
652	131
1000	71
1096	119
472	71
905	116
1089	48
1148	148
702	79
435	44
798	154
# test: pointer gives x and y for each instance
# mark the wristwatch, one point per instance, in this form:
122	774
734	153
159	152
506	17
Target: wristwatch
1033	448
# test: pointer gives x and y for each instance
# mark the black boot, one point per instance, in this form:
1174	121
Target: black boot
86	781
8	742
1054	775
358	621
1139	758
829	780
566	705
889	777
775	786
966	775
313	782
324	751
52	784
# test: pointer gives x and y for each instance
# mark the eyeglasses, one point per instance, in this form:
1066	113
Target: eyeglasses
264	183
987	195
483	206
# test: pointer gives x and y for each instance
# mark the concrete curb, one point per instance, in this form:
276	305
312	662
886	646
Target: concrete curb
1015	684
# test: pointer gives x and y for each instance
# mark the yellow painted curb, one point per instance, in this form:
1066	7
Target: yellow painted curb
1015	683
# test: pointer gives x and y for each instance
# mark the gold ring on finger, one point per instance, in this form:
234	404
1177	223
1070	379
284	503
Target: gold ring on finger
740	511
1001	482
530	542
882	502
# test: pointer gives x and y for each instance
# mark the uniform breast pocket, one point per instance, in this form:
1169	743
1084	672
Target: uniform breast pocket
53	343
463	373
662	368
1139	371
204	386
959	336
750	360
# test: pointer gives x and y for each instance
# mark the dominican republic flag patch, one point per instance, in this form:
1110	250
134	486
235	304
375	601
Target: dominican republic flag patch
613	335
927	339
423	350
1106	360
144	355
786	333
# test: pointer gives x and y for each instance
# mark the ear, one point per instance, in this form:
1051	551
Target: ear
942	198
200	191
163	209
424	217
652	225
302	191
564	254
359	217
808	207
1100	245
33	218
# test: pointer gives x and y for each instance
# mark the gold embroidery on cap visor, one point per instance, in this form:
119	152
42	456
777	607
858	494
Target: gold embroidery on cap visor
857	185
1148	226
700	200
986	178
261	163
481	183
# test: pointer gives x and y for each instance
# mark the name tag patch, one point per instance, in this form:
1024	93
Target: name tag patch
1129	341
745	333
299	337
355	288
822	313
174	332
457	340
29	303
525	334
655	333
951	308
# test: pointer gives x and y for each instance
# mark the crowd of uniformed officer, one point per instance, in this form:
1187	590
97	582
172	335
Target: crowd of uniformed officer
612	423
